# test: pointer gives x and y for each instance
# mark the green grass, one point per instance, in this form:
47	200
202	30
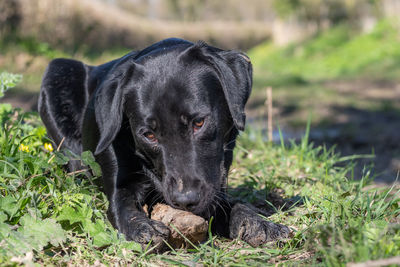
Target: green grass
49	216
336	53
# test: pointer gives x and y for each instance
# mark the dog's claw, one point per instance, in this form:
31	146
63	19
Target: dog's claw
145	231
248	226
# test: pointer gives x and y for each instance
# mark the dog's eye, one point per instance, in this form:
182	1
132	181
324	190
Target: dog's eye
197	124
151	137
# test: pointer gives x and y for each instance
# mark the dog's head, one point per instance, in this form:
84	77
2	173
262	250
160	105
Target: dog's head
185	105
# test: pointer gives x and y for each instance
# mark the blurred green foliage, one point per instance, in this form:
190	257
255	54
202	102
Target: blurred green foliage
333	11
7	81
337	52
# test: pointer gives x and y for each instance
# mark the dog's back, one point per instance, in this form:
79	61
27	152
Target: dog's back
62	100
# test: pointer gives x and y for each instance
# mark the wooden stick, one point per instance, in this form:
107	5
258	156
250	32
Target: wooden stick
376	263
58	149
268	103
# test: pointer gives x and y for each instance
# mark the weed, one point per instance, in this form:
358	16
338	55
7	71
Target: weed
7	81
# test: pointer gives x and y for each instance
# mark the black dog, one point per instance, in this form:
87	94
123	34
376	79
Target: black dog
162	124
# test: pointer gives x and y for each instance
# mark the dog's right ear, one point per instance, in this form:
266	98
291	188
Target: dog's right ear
109	101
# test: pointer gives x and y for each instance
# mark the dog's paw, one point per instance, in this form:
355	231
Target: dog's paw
146	231
248	226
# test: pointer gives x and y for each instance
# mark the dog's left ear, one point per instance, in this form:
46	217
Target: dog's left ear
235	73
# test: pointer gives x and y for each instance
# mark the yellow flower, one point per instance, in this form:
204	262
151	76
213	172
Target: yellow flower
23	148
48	147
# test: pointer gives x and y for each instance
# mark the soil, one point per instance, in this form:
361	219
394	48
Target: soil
28	101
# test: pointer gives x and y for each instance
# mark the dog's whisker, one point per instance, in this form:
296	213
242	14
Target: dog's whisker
156	199
222	208
229	130
221	200
149	193
230	142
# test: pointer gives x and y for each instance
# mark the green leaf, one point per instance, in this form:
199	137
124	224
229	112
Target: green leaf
82	213
3	217
5	108
40	131
7	81
74	215
131	245
15	243
89	160
76	209
98	232
42	232
31	235
5	230
60	158
9	205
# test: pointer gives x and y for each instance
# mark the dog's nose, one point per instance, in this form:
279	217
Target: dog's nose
186	200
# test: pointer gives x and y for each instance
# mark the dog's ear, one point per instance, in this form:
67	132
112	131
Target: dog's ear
109	101
235	74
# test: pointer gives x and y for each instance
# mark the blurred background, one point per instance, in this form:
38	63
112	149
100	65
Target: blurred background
334	61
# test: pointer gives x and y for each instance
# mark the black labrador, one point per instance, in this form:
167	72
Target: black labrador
162	124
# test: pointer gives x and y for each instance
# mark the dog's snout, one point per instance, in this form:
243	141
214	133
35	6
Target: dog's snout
186	200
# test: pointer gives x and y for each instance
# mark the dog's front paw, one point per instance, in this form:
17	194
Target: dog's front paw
144	230
248	226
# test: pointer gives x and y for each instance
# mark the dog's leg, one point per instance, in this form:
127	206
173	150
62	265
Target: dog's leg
127	188
125	185
246	224
131	220
237	220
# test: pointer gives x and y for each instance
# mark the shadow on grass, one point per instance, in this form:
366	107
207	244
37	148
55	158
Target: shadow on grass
267	201
363	131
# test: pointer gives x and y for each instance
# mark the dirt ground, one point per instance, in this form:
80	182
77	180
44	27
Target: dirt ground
350	128
28	101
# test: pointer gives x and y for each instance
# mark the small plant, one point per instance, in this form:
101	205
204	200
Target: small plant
7	81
